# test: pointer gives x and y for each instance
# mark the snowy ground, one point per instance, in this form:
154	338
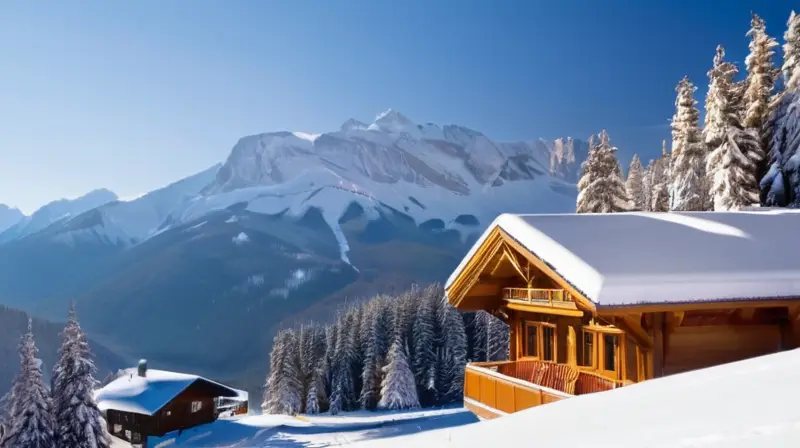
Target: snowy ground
318	431
752	403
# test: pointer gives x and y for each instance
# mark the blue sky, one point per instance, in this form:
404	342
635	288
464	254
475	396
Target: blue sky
133	95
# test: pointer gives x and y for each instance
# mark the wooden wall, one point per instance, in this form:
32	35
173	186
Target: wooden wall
503	394
697	347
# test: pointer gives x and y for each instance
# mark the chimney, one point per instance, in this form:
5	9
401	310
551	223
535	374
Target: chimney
143	368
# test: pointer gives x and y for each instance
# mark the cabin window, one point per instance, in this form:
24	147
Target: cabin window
169	413
128	434
587	348
197	405
549	342
531	340
117	428
610	345
136	438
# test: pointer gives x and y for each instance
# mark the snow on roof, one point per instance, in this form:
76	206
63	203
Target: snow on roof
635	258
146	395
702	408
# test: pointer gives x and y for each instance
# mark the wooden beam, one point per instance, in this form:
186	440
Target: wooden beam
533	308
695	306
515	262
794	312
582	301
634	328
747	313
658	345
674	320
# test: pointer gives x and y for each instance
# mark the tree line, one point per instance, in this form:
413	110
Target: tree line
64	415
747	153
390	352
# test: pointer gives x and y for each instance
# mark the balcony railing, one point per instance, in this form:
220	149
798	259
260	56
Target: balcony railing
535	294
499	388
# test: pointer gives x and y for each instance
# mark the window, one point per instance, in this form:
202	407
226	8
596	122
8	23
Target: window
136	438
610	345
587	348
549	342
117	428
531	340
197	405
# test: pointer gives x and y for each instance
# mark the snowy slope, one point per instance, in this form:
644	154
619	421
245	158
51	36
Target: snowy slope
130	222
9	216
750	403
426	172
56	211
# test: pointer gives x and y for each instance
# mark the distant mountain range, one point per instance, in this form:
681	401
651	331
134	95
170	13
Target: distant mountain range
198	275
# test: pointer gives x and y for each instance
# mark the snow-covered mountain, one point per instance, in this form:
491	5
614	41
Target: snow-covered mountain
130	222
9	216
56	211
451	174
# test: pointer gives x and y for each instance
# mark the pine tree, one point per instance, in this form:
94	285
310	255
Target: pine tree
283	391
689	185
424	348
33	424
79	421
454	351
780	186
343	391
601	188
660	182
375	351
398	388
761	76
730	166
635	184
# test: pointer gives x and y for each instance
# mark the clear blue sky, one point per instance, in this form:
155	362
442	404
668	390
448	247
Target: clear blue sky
131	95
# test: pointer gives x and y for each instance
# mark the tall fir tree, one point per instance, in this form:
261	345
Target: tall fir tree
454	352
635	184
780	186
375	350
601	188
761	74
33	424
730	166
283	391
689	185
660	182
398	388
647	186
79	421
423	342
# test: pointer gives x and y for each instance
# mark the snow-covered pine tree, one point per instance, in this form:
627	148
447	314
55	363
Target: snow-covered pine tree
730	165
423	342
312	358
343	390
660	182
78	419
398	388
689	185
780	186
375	350
601	188
454	352
761	74
283	391
33	424
635	184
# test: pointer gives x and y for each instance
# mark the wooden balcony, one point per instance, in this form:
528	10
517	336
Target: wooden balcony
530	299
500	388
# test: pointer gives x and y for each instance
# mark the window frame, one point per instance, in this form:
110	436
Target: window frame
197	406
540	342
598	364
595	348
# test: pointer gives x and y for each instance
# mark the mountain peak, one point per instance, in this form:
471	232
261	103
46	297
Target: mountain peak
392	121
353	125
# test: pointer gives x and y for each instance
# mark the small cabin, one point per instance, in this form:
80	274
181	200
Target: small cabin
600	301
146	402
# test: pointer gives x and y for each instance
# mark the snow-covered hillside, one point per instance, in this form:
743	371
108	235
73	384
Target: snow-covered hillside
9	216
57	211
751	403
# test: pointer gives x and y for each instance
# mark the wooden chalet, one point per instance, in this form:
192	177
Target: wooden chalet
600	301
146	402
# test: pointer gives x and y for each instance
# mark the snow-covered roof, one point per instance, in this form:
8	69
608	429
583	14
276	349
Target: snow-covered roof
146	395
646	258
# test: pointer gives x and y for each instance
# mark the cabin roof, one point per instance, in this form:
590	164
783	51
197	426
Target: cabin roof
621	259
147	395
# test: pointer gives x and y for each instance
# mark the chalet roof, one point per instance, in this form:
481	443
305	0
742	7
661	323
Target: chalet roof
656	258
146	395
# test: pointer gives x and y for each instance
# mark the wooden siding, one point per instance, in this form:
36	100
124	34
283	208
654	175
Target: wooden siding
690	348
495	394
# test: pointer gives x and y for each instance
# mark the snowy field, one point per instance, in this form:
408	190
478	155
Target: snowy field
751	403
259	431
